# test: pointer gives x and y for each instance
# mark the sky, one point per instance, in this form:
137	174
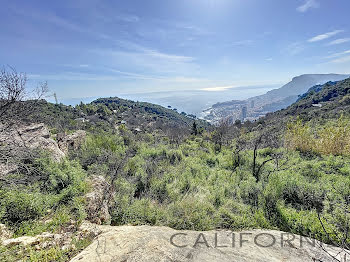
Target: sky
86	48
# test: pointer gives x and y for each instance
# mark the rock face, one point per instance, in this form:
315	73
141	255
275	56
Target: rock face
71	142
96	201
146	243
31	136
37	136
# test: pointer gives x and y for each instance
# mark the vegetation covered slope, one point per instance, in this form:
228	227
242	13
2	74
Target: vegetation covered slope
109	113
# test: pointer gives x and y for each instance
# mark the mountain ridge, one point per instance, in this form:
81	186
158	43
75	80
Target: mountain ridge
273	100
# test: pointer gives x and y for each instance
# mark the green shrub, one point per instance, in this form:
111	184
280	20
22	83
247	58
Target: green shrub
192	214
238	216
140	212
18	206
66	179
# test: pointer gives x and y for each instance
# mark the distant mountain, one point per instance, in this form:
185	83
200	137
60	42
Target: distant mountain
319	104
258	106
300	84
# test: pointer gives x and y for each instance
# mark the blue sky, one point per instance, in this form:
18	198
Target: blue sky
89	48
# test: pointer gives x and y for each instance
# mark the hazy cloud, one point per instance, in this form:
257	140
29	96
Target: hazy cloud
128	18
334	55
294	48
339	41
325	36
217	88
308	4
340	57
243	43
341	60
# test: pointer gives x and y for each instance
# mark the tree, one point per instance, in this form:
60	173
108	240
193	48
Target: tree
220	135
14	93
265	139
176	134
17	103
194	128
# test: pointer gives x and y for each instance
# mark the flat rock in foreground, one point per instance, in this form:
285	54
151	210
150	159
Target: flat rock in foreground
146	243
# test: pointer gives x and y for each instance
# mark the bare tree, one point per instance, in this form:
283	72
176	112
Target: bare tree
176	134
221	134
17	103
13	96
265	139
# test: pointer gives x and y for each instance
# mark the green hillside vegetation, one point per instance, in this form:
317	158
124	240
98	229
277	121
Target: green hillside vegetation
291	174
108	113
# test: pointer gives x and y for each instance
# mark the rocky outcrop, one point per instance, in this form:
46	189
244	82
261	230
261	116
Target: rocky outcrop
148	244
5	233
64	240
35	136
72	141
32	136
97	202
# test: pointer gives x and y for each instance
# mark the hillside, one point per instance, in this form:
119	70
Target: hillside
112	112
273	100
320	104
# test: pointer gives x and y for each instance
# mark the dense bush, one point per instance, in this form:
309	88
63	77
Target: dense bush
18	206
331	138
56	196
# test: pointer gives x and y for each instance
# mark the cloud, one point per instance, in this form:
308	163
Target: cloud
341	60
57	21
128	18
325	36
217	88
339	41
269	59
132	48
243	43
168	57
116	75
341	57
335	55
74	76
294	48
309	4
131	55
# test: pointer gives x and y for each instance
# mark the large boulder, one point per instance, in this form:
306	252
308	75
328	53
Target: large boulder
15	141
148	244
38	136
97	201
72	141
31	136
